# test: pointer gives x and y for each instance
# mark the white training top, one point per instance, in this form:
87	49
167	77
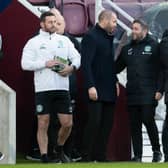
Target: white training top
42	48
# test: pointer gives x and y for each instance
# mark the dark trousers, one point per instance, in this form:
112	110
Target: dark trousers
97	130
143	114
165	134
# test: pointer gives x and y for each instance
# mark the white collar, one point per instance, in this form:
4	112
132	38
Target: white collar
47	34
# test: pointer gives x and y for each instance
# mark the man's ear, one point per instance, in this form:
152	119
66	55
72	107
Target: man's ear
146	30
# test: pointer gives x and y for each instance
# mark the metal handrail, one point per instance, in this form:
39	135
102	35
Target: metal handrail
124	14
30	7
121	11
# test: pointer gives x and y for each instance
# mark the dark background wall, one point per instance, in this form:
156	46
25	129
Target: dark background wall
17	25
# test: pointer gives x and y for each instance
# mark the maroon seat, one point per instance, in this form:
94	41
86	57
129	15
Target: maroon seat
58	2
87	2
39	2
91	13
75	14
90	4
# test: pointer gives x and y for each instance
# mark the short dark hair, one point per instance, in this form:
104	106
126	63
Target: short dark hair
143	24
44	15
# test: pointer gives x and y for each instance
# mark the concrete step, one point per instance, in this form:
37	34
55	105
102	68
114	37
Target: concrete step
147	154
146	137
149	159
146	141
147	149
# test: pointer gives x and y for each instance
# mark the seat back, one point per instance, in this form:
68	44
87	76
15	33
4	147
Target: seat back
90	4
91	14
75	14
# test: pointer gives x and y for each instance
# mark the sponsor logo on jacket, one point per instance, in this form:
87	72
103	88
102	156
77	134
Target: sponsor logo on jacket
147	50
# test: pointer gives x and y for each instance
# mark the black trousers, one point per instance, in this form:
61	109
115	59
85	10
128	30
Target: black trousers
165	134
143	114
97	130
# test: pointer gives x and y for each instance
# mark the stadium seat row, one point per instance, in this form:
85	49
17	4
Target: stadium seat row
80	12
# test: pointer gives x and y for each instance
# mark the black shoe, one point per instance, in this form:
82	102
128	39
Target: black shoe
76	156
54	158
34	155
136	159
44	158
1	156
64	158
157	156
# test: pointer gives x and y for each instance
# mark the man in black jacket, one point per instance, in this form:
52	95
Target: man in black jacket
164	61
100	80
141	57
